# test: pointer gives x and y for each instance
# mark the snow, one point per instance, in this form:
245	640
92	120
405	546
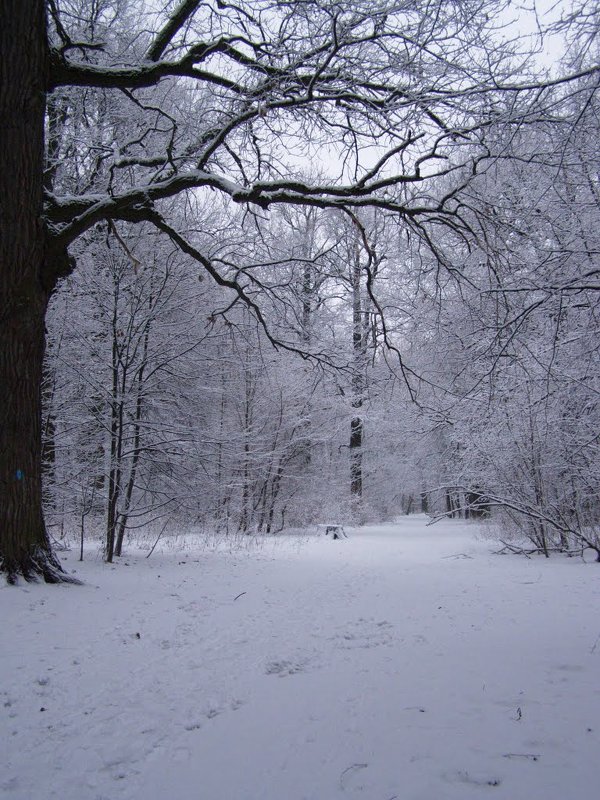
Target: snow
405	662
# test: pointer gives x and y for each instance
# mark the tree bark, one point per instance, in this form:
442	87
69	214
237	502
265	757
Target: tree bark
24	545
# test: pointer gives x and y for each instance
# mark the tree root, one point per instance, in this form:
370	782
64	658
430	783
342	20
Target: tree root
40	565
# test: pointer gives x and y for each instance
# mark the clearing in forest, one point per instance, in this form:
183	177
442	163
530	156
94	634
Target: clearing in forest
404	662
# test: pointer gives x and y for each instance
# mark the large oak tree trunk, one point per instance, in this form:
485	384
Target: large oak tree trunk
24	546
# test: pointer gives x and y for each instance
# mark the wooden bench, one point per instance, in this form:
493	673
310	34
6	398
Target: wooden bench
335	531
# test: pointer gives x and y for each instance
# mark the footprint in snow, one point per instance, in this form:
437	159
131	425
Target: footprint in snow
471	779
284	667
365	633
567	667
212	711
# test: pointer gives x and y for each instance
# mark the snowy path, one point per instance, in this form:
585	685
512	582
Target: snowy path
406	662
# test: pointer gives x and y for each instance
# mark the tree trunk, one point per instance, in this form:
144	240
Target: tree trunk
119	377
358	383
24	545
135	460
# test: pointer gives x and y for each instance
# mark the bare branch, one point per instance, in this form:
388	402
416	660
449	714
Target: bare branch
171	28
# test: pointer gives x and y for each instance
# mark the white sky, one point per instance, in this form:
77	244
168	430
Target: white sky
532	15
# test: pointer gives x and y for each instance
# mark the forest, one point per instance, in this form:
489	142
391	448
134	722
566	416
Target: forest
267	265
300	398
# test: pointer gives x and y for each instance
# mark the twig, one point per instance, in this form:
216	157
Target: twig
531	756
458	555
164	527
239	595
595	645
352	768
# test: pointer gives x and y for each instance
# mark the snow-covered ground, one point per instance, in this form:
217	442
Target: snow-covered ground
406	662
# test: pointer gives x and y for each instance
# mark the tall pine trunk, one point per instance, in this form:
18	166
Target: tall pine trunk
24	545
